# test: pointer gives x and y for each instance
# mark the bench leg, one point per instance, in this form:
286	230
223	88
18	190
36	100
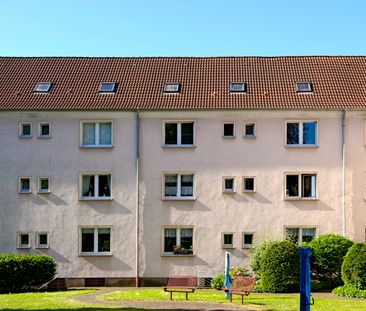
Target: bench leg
171	295
231	297
242	299
186	295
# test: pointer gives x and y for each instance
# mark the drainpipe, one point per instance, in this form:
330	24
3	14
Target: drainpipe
343	190
137	140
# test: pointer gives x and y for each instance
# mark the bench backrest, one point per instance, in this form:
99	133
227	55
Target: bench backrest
177	281
243	283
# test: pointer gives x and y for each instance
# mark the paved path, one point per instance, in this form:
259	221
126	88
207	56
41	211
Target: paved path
155	305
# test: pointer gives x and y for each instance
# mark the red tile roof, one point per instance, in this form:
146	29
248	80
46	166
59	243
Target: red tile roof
338	82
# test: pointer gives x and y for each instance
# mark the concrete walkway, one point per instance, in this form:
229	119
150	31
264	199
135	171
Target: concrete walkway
154	305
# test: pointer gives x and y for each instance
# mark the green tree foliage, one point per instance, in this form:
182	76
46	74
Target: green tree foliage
256	256
354	266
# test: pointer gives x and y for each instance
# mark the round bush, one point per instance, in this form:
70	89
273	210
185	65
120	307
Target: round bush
327	256
20	273
217	281
256	256
354	266
279	267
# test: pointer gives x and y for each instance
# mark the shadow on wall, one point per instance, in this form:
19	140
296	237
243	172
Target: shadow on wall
195	205
106	207
108	263
310	205
55	255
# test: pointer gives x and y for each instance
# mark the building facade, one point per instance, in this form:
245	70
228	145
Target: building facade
138	168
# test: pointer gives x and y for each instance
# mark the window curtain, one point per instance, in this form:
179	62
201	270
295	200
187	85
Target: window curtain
171	185
105	134
186	232
88	134
187	185
170	233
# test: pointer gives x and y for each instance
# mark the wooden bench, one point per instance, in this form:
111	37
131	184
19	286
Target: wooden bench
181	283
242	285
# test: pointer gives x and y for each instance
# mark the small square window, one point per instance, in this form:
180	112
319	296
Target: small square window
107	87
23	240
229	129
238	87
249	130
170	87
227	240
228	184
44	130
25	129
42	240
304	87
43	87
247	240
24	185
248	184
43	185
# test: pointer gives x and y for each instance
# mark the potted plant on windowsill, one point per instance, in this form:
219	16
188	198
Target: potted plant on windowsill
179	250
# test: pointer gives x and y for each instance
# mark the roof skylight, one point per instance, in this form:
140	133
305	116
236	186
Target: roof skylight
302	87
238	87
107	87
172	87
43	87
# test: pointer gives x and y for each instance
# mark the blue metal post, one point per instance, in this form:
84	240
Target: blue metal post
305	278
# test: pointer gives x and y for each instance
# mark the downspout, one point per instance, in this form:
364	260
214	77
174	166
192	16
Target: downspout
343	189
137	140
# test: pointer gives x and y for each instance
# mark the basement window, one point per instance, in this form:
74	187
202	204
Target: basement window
304	87
170	87
43	87
238	87
107	87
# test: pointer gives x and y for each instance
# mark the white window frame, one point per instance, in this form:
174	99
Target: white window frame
36	91
96	197
20	133
38	245
179	197
20	184
97	133
232	91
178	228
39	184
254	130
40	124
176	91
300	231
179	134
223	245
300	197
301	136
19	245
247	246
223	129
308	90
100	91
95	253
254	184
224	190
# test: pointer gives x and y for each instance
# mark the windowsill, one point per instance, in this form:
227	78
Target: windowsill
96	146
44	192
43	137
227	247
249	191
26	137
247	247
301	199
42	247
174	255
228	137
24	192
95	254
301	146
178	199
228	192
24	247
96	199
250	137
178	146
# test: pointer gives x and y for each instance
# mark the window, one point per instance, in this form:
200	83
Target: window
228	184
302	133
300	186
304	87
96	186
170	87
24	185
249	130
179	134
43	130
247	240
227	240
107	87
23	240
178	186
42	240
43	87
248	184
44	185
238	87
300	235
25	129
229	129
96	134
178	241
96	241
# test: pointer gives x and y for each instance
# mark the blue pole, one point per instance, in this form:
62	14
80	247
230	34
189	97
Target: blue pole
305	278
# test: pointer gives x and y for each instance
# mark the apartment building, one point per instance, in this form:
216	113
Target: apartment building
126	169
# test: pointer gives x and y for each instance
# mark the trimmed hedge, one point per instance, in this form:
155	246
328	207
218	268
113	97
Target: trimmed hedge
354	266
349	291
280	266
19	273
327	256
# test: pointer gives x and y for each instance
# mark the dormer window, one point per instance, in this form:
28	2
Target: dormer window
43	87
238	87
171	87
107	87
304	87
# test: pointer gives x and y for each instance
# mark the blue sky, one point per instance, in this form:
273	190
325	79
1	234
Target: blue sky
182	28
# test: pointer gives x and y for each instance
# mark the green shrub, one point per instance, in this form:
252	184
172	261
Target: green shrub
327	256
217	281
354	266
256	256
349	291
20	273
279	267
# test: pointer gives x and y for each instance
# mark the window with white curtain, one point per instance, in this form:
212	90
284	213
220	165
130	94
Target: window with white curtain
178	241
300	186
300	234
96	186
178	185
96	134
